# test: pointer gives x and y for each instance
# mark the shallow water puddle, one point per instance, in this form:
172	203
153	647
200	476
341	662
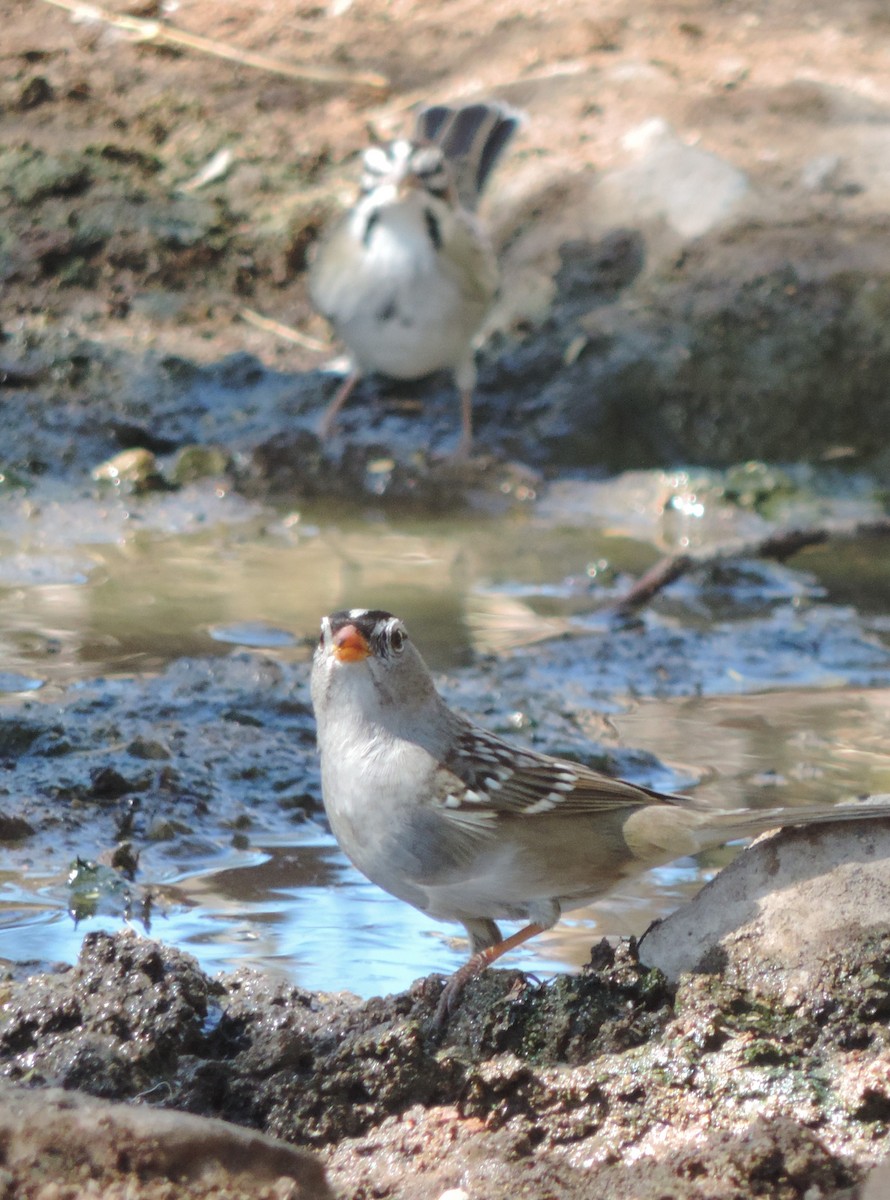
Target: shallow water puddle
293	905
113	594
87	592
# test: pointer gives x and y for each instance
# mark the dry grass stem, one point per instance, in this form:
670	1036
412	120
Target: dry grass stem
162	33
287	332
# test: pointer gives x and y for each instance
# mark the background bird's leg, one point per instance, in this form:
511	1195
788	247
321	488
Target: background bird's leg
481	959
328	422
465	378
465	445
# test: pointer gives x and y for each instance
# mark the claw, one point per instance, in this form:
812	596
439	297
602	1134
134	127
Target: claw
453	989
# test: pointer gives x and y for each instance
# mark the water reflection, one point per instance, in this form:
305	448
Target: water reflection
781	748
89	589
138	602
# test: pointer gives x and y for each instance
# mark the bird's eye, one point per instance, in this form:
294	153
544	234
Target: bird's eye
396	641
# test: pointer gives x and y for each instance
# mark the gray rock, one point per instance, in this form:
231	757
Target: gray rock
692	190
877	1185
782	908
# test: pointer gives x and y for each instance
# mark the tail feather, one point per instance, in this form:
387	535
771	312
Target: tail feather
472	138
745	823
430	121
493	148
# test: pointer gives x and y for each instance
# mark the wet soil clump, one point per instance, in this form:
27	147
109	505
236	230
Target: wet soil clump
595	1085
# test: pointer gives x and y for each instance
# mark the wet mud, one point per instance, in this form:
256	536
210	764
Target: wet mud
576	1087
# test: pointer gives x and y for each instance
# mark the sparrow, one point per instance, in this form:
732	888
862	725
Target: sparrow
407	275
468	827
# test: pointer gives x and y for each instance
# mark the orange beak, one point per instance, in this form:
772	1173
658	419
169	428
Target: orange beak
350	645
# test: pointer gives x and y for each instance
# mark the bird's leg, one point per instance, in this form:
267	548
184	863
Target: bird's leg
465	378
465	445
328	422
451	993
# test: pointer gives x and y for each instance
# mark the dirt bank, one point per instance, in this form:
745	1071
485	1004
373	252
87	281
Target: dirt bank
692	227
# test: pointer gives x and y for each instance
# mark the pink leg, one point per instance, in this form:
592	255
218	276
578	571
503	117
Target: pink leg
465	445
328	422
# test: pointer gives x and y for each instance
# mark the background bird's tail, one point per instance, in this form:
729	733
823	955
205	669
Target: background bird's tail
472	138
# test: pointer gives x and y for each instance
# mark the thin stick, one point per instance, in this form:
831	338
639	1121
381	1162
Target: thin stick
287	332
161	32
780	545
655	580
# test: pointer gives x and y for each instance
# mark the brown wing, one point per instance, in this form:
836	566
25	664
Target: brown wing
485	777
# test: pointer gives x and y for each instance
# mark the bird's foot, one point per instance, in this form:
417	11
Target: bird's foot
453	989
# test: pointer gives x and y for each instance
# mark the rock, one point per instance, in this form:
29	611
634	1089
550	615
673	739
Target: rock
781	909
132	1146
199	462
751	342
32	176
135	470
877	1186
14	828
38	90
692	190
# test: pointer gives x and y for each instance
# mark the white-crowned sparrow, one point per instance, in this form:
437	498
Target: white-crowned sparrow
407	275
467	827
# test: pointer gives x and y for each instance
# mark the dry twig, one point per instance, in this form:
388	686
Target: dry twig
287	332
163	34
780	546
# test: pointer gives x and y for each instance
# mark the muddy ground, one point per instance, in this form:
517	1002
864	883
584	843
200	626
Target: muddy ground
693	232
607	1084
692	224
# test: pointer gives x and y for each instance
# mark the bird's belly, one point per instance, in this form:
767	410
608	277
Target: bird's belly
385	835
374	861
402	351
517	880
407	324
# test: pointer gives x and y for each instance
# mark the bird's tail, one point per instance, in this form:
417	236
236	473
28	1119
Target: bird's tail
744	823
660	833
472	138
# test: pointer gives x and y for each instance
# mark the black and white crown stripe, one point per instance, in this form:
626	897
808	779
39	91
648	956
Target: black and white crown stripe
400	159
